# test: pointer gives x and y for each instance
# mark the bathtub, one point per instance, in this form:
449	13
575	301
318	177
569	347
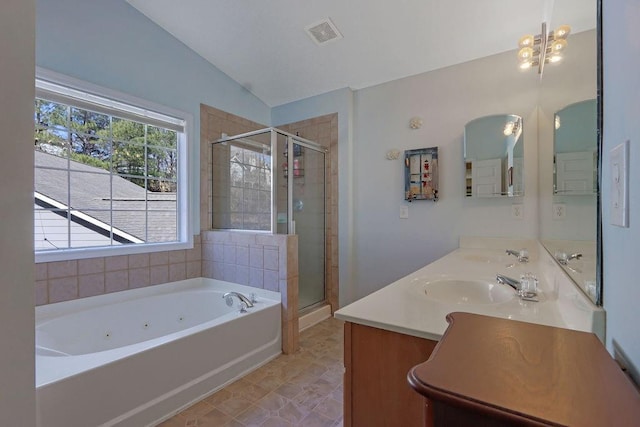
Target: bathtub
136	357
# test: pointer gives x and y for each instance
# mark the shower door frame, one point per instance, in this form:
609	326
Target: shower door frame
275	167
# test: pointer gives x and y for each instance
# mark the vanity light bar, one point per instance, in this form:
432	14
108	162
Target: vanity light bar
543	48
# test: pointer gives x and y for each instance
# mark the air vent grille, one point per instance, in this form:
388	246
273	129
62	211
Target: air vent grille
323	32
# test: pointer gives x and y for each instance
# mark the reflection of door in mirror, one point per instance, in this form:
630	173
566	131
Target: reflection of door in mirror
575	149
494	156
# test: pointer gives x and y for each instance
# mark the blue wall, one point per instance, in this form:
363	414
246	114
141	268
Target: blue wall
621	112
111	44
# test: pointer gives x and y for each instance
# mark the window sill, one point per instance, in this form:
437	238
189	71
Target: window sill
83	253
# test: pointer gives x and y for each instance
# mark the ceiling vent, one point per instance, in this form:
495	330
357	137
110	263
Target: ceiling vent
323	32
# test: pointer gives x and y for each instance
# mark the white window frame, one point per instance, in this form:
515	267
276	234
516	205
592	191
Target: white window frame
91	93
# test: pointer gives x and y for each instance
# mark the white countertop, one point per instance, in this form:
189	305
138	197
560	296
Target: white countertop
404	307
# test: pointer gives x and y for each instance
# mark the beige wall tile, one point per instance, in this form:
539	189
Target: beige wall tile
138	260
159	274
139	277
62	269
90	285
194	269
114	263
177	256
63	289
158	258
256	256
177	272
91	265
115	281
41	292
256	277
41	271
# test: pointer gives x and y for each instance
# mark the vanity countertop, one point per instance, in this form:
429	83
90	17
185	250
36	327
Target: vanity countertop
523	374
404	307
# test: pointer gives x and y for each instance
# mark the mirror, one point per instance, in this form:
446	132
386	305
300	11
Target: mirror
494	156
568	149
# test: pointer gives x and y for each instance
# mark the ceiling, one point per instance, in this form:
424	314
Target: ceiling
263	45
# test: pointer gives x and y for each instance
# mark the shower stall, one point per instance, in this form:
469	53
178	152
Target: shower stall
272	181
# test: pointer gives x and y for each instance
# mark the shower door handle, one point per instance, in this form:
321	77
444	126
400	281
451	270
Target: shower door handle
292	227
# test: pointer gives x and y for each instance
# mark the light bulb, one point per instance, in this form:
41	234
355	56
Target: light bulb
558	45
525	65
508	128
557	122
525	54
554	58
562	32
526	41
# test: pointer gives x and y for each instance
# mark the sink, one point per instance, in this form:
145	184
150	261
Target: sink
453	291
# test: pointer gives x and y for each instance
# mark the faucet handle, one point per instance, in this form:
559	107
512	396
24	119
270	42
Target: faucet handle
253	298
523	255
243	307
528	285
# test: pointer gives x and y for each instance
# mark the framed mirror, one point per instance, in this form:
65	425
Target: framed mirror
494	156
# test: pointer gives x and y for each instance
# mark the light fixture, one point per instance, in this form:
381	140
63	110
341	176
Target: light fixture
543	48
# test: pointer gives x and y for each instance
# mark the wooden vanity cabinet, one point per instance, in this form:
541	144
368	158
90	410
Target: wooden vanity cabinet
376	392
497	372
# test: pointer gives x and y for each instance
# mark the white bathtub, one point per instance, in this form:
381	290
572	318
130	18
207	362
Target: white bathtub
136	357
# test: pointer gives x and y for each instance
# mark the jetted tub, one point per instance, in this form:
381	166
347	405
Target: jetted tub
136	357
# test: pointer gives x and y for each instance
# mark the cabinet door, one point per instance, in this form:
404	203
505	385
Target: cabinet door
377	392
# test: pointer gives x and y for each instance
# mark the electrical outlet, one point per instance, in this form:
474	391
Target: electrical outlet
404	211
559	211
517	211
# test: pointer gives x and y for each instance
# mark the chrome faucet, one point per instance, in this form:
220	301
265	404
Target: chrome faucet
522	254
527	288
228	296
563	258
515	284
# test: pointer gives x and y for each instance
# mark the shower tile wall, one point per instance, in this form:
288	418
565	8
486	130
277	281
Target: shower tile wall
243	257
66	280
213	123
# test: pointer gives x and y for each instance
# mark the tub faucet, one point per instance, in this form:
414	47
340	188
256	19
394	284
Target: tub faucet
228	296
522	254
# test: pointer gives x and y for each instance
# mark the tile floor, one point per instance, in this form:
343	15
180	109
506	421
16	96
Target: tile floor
303	389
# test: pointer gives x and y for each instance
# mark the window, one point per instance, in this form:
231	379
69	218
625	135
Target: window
108	174
250	198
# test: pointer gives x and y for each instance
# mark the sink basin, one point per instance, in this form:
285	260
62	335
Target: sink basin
452	291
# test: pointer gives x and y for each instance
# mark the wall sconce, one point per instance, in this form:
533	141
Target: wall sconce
543	48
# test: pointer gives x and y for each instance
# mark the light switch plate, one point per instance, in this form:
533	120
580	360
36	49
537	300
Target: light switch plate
619	165
404	212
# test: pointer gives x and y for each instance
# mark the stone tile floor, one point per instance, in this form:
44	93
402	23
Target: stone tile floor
302	389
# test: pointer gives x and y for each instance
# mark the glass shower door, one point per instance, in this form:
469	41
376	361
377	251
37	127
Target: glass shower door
307	171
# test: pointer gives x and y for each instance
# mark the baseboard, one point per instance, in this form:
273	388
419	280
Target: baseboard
314	317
